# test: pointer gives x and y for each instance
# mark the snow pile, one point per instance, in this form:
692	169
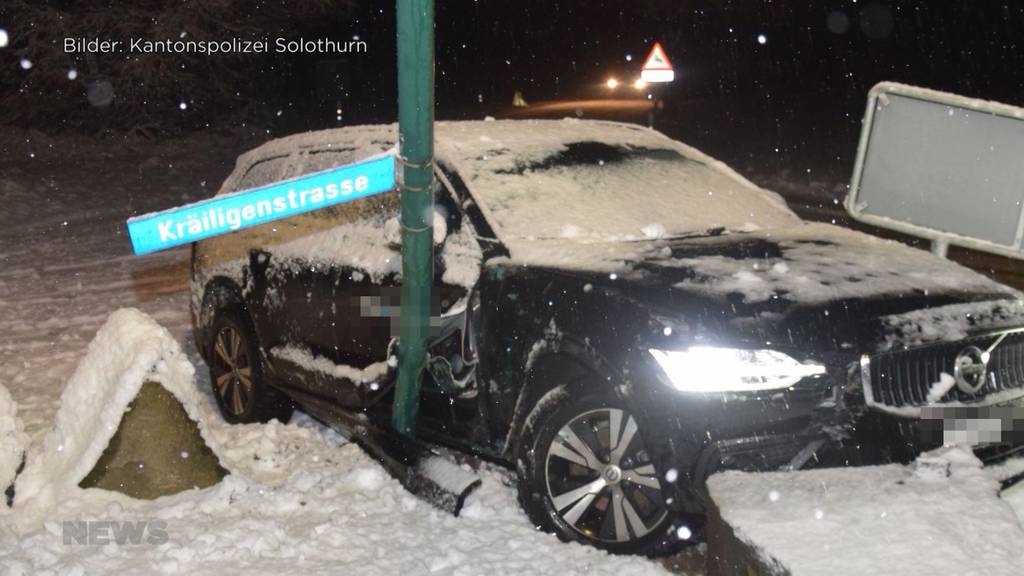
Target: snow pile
13	439
128	350
300	498
942	515
338	512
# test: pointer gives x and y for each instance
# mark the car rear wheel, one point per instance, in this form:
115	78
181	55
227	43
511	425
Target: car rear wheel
586	475
236	372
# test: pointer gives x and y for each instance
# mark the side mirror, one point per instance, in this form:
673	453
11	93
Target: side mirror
393	231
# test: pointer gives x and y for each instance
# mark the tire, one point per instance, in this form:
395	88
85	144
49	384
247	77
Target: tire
566	448
236	372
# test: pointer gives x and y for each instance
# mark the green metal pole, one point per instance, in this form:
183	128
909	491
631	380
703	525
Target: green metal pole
415	183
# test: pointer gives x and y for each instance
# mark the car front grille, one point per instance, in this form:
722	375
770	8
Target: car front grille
903	379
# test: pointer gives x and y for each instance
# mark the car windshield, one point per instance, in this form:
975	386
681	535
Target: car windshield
642	187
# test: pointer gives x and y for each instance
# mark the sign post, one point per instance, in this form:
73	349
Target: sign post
415	183
656	70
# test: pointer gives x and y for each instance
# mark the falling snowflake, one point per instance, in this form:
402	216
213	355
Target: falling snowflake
4	38
182	105
72	74
762	39
26	63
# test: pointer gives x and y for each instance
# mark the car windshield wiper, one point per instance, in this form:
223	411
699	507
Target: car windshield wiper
706	233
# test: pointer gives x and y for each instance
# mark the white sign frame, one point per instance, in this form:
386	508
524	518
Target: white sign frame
878	97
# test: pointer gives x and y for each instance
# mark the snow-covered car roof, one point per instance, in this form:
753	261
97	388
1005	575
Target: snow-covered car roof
583	179
598	181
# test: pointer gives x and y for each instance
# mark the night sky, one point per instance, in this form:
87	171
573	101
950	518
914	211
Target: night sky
802	87
832	50
802	91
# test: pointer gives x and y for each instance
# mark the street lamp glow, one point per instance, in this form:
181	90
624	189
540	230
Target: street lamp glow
612	83
639	84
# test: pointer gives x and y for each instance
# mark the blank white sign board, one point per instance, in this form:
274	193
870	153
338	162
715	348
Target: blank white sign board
942	167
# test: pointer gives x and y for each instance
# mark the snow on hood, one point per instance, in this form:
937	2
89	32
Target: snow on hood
941	515
128	350
951	323
820	263
810	263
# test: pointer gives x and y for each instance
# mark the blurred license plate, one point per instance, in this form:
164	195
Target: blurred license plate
973	425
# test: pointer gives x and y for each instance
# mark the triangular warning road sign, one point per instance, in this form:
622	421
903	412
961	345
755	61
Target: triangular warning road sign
657	60
656	67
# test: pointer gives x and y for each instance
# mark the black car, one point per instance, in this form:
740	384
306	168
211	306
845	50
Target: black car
618	316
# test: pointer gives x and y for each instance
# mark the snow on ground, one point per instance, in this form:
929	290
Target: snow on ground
941	515
298	498
13	439
128	350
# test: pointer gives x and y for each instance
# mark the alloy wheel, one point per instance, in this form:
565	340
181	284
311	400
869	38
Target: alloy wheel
232	373
600	478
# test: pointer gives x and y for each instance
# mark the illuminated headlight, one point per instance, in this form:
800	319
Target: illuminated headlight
708	369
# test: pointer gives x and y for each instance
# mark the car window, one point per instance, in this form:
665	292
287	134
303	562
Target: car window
371	210
318	160
264	172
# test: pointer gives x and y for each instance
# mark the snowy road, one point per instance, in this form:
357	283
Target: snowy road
312	503
65	262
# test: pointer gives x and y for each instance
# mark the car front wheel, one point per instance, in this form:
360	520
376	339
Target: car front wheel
236	372
586	475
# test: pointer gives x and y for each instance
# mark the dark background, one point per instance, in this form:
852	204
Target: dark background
795	101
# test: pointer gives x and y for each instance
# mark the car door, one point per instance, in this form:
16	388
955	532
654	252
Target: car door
308	273
274	283
366	298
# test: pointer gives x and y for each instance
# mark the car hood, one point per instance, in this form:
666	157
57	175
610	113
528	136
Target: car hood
813	285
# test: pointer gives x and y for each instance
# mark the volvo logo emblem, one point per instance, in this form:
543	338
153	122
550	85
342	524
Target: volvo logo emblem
971	369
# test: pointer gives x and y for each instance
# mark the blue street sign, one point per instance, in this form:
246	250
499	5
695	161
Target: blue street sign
248	208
